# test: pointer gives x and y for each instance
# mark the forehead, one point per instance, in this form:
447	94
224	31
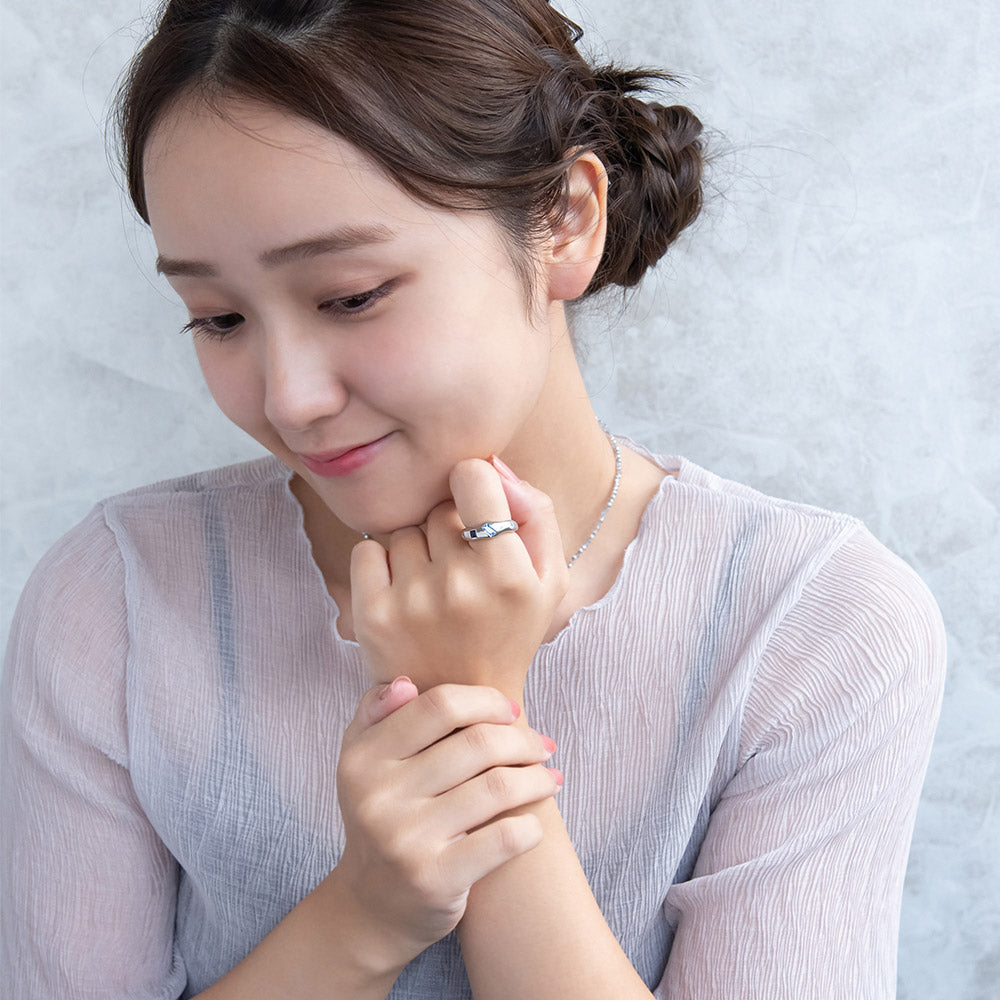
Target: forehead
227	155
228	184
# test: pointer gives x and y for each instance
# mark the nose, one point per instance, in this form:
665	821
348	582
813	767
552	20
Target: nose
302	380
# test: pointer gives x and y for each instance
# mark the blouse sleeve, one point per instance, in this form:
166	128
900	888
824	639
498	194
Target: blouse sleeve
87	908
797	887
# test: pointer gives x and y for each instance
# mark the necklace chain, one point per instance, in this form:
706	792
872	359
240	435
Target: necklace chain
611	499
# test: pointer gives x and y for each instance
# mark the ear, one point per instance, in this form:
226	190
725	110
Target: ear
578	240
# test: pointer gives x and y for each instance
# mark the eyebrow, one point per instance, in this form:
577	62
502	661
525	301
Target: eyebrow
340	241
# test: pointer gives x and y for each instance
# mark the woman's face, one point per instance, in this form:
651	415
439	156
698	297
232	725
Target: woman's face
368	340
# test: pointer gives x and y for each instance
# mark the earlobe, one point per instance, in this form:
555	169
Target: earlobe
578	238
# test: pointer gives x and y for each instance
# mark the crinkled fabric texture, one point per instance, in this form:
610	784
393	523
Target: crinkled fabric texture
744	721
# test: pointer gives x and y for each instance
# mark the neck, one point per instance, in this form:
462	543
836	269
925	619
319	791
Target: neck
562	449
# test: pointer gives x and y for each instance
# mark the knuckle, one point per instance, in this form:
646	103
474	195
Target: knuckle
392	842
443	515
458	594
419	601
518	834
442	701
499	784
374	617
396	849
367	814
479	739
350	766
510	585
545	505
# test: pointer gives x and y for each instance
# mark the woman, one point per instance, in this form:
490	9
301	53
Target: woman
281	729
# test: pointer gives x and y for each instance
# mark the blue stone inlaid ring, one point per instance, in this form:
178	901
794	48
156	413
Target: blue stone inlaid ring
490	529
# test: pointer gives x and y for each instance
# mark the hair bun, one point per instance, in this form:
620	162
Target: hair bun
654	156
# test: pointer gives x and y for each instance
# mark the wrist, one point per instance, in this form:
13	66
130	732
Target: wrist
320	949
377	954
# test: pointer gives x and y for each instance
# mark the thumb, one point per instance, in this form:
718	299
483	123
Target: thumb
382	700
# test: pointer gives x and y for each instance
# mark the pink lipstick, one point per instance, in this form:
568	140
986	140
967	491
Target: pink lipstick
333	464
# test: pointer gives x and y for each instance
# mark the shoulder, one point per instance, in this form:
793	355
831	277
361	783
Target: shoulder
734	509
64	665
807	593
70	636
713	492
853	586
87	562
773	532
750	554
862	650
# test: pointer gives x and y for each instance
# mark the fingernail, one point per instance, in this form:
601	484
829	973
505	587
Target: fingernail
389	689
549	744
558	775
504	469
515	708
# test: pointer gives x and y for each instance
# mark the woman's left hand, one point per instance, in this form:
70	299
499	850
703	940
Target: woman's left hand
440	609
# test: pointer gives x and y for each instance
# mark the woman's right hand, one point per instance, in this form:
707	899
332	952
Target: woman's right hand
427	784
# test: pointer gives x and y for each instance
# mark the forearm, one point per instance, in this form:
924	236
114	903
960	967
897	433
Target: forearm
322	949
532	929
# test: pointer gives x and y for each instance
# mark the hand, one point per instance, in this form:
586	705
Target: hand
440	609
425	783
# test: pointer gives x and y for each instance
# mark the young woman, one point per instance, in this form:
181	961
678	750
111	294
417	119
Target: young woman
298	728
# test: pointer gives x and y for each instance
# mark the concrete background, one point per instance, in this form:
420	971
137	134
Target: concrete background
828	332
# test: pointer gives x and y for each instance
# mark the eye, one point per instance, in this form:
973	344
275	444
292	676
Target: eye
213	327
354	305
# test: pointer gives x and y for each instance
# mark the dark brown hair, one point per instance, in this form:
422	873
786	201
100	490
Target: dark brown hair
465	103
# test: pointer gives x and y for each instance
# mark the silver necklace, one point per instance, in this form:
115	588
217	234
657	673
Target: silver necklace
611	499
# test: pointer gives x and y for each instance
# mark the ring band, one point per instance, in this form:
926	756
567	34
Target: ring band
489	529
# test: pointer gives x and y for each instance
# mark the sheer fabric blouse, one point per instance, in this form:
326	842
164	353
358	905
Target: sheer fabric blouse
744	722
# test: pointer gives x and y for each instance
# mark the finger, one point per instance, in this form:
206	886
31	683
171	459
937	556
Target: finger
486	849
369	568
444	532
380	701
468	752
370	594
479	497
537	525
493	793
389	698
407	552
438	712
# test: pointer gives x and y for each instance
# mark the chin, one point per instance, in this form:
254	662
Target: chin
384	518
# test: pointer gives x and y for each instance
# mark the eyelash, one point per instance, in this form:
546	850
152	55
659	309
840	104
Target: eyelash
207	326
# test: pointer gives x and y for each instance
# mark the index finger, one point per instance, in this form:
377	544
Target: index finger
438	712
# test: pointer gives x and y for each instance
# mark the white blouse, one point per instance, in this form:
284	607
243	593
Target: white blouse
744	722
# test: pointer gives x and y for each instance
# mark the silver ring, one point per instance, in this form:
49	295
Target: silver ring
489	529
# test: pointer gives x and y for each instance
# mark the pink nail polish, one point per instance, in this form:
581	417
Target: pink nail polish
558	775
515	708
504	469
549	744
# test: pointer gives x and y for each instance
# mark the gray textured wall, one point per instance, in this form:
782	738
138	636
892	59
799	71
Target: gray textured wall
827	333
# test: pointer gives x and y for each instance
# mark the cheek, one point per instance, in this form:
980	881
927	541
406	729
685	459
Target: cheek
476	353
232	382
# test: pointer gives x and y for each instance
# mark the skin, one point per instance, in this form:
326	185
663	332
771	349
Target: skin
426	341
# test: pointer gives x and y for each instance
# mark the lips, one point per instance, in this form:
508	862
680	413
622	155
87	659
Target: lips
344	461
